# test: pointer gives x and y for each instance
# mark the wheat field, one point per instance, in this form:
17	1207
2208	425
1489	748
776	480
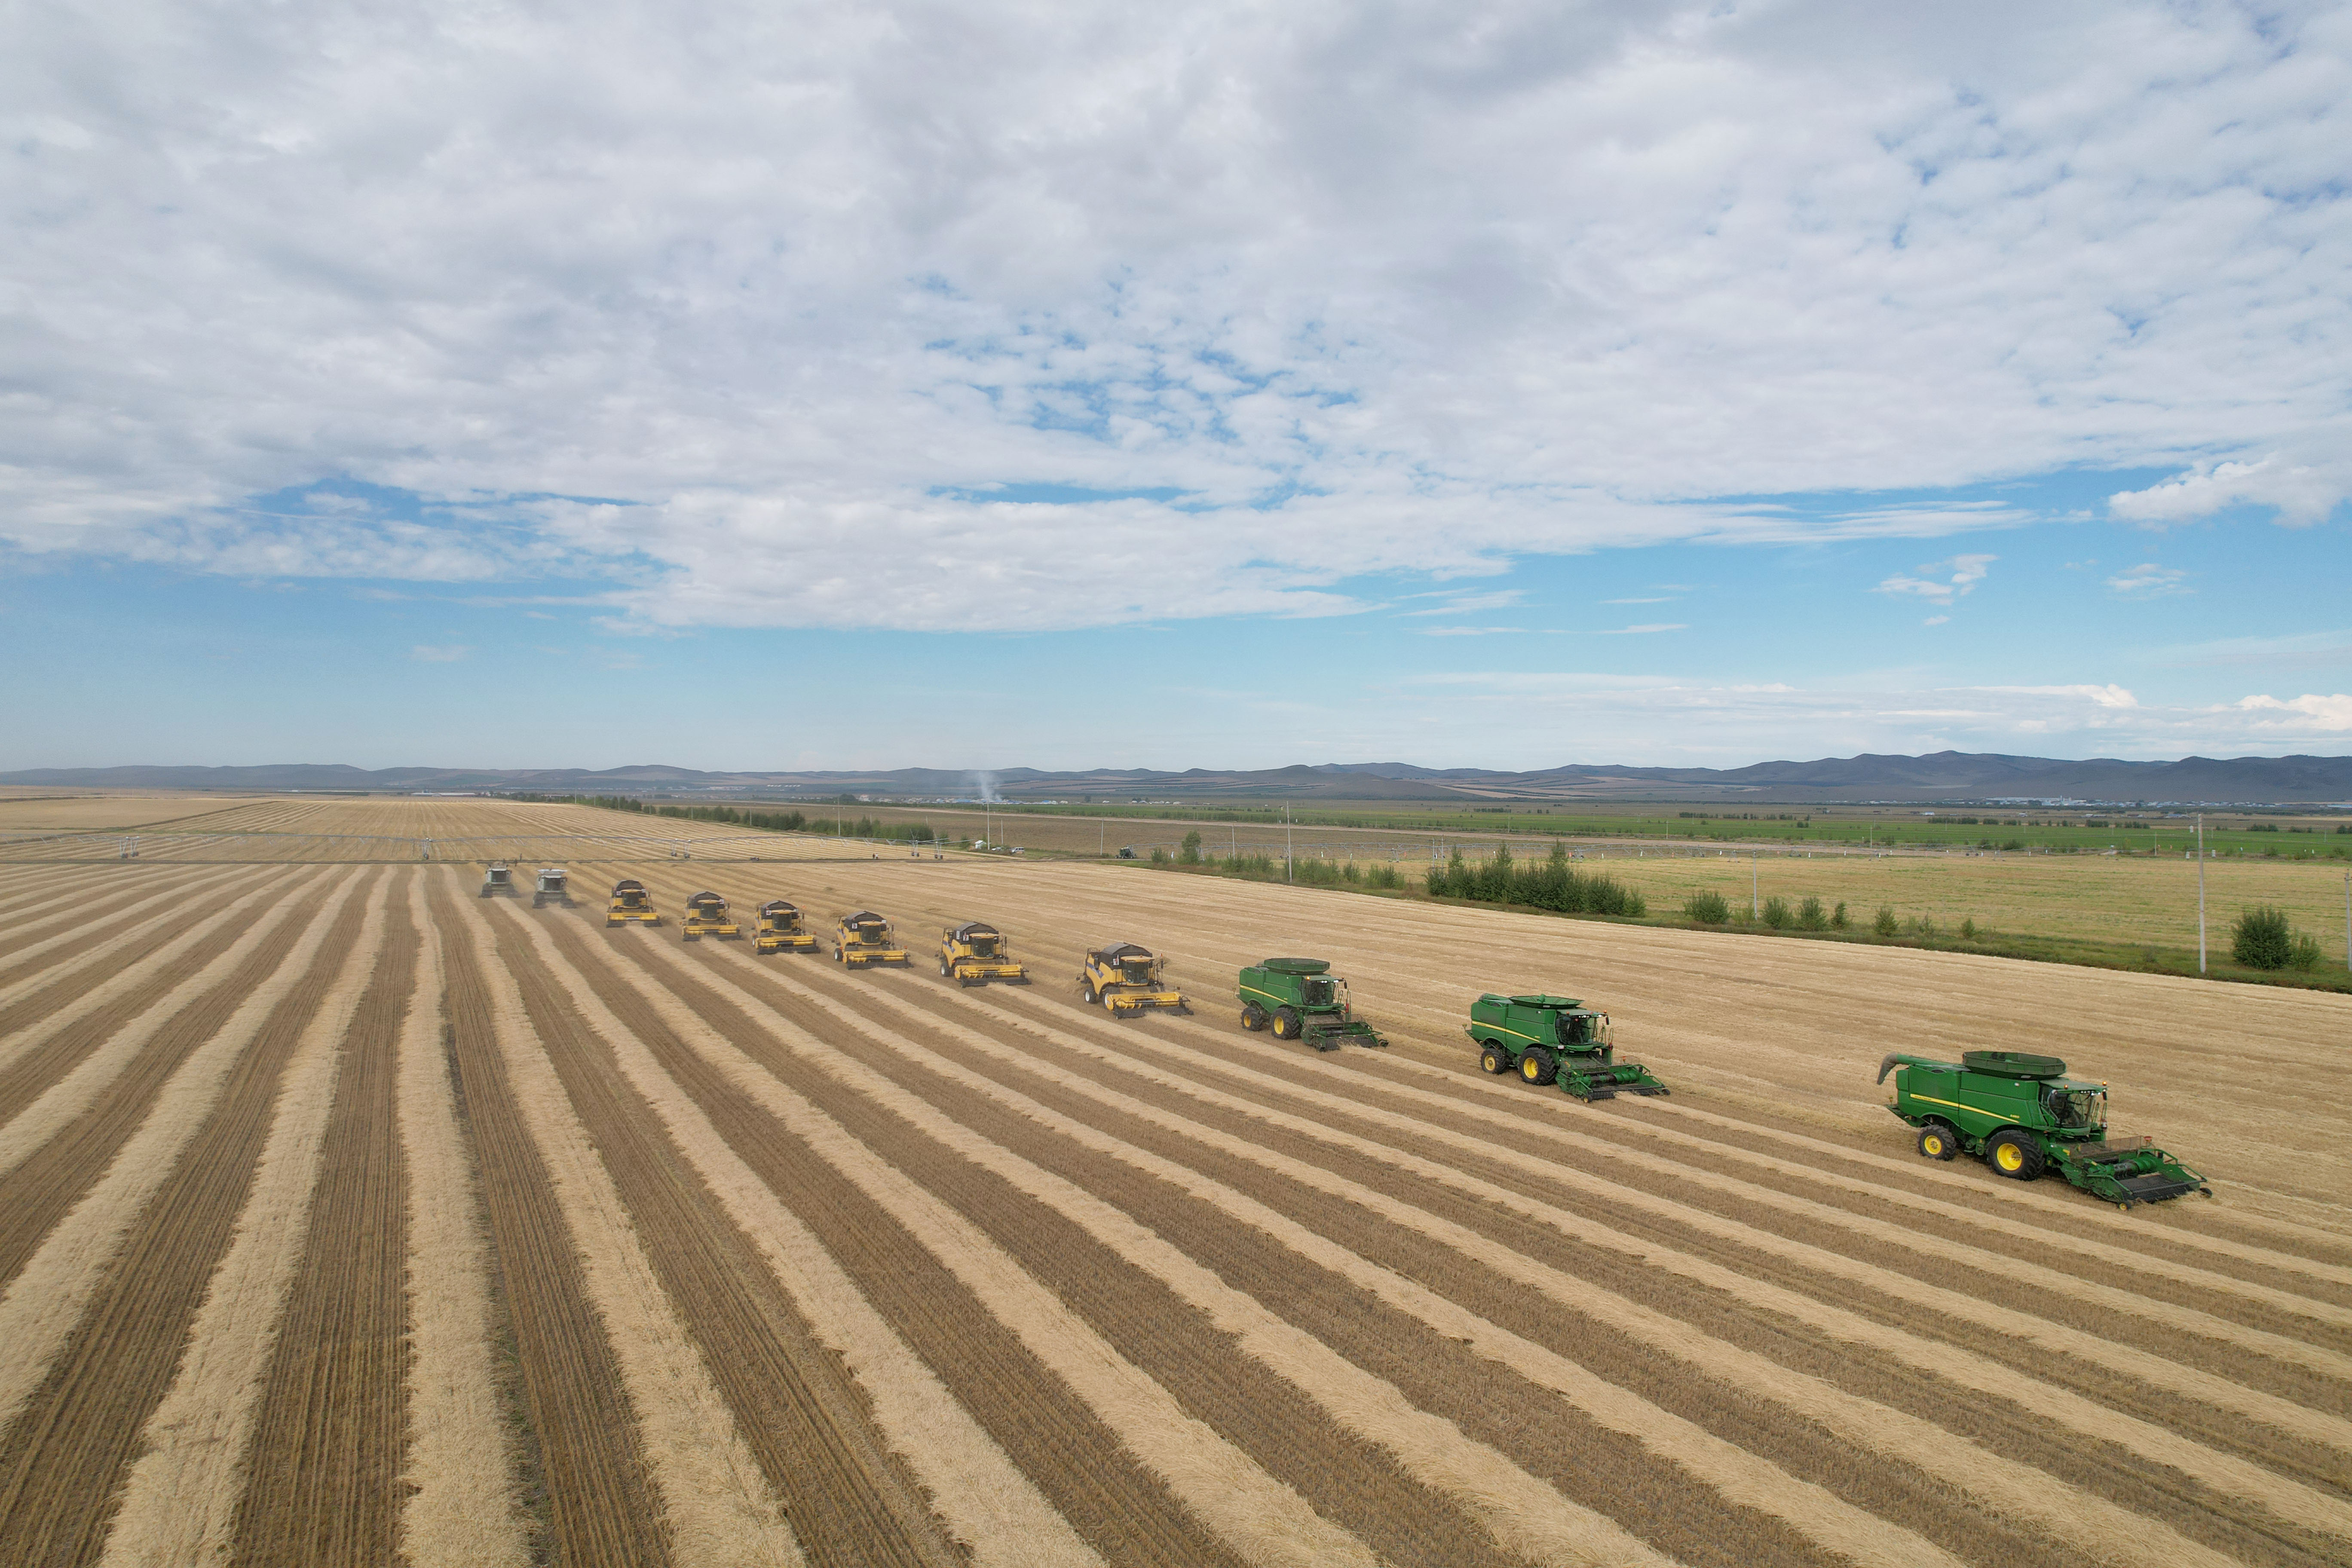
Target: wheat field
349	1217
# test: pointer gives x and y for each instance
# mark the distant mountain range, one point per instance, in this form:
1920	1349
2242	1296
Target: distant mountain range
1941	776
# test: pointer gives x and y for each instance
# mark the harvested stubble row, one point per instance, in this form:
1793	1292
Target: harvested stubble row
362	1221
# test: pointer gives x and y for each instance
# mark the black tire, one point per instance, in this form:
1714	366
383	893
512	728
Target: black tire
1285	1023
1536	1065
837	958
2013	1155
1937	1141
943	969
1253	1017
1087	989
1494	1059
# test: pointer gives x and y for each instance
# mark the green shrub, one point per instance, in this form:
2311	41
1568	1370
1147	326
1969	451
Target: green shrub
1810	916
2012	844
1383	876
2262	939
1968	928
1837	920
1886	924
2305	955
1708	908
1189	854
1777	914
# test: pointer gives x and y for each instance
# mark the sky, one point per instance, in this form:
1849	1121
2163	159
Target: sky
1471	385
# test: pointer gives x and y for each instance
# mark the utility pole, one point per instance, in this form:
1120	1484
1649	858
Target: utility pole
1285	841
2201	892
2347	919
1755	888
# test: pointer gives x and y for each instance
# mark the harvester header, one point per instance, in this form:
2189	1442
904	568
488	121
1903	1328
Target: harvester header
2024	1116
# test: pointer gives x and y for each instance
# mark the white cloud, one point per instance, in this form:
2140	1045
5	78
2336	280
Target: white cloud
1936	620
1466	631
1463	603
445	653
1662	601
2304	493
2331	713
2149	581
1410	289
1967	571
1618	718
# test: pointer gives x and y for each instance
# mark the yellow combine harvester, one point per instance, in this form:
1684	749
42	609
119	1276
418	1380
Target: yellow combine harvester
1126	978
865	938
781	930
973	954
706	915
631	902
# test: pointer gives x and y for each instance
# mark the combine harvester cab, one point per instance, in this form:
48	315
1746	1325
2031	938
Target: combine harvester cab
1127	979
1301	999
974	953
552	886
1555	1039
706	915
781	930
631	902
865	938
2024	1116
498	878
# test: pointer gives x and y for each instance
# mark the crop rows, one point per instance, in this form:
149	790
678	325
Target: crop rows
349	1217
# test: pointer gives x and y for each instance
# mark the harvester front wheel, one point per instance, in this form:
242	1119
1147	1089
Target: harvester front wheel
1493	1060
1536	1065
2014	1155
1936	1142
1285	1023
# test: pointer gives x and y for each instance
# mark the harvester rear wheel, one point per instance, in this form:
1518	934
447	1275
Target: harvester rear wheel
1285	1023
1492	1059
2014	1155
1536	1065
1087	989
1253	1017
1937	1143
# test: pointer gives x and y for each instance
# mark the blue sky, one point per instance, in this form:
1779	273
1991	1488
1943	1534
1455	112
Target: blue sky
1467	385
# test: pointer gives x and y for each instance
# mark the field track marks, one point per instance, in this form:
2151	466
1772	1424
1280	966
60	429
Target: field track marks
807	1431
73	1093
600	1507
20	1038
2101	1528
1261	1520
1746	1479
181	1495
1522	1512
2073	1343
92	915
986	1503
321	1470
36	890
96	1322
460	1510
2068	1207
1614	1144
2330	1312
715	1501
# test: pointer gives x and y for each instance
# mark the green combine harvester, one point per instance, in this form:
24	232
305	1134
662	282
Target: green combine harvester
1555	1039
1301	999
2024	1116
